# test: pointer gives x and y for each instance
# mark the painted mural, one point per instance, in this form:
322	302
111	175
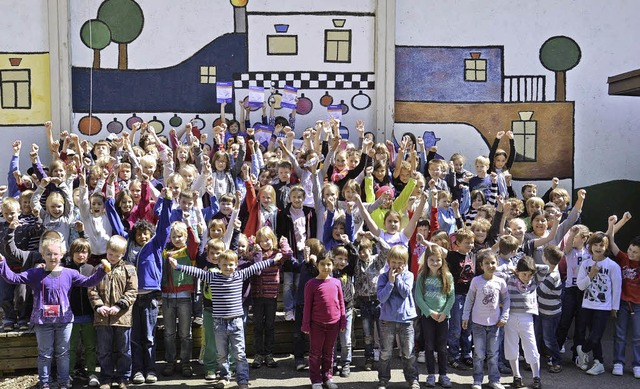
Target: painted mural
325	55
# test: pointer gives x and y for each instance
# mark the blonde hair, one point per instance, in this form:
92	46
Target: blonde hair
269	190
148	160
215	244
117	244
53	241
179	227
176	178
265	233
398	252
484	161
10	204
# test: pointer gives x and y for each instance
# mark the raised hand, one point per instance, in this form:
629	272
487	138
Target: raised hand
500	134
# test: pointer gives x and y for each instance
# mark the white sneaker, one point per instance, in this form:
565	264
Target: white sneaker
583	359
316	386
422	357
496	385
476	386
636	371
618	368
596	369
376	354
93	381
289	316
330	385
562	350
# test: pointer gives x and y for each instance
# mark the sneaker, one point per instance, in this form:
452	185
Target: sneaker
476	386
316	386
517	382
104	386
138	378
329	384
555	369
167	370
346	370
636	371
7	327
300	365
257	362
596	369
431	381
289	316
243	386
122	385
221	384
582	361
562	350
504	369
468	361
23	326
197	321
187	371
151	378
368	364
415	384
376	355
93	381
618	369
536	383
382	384
444	381
210	376
496	385
422	357
456	364
270	362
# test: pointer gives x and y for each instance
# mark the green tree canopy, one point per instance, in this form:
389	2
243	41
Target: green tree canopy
124	18
560	53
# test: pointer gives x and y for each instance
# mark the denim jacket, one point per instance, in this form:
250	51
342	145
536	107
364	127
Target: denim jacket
396	300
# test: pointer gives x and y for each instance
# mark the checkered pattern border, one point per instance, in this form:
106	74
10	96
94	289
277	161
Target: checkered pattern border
305	80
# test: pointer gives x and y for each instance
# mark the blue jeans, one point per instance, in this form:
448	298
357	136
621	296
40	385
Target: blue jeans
549	327
264	320
177	308
629	314
53	339
388	332
597	325
290	284
345	339
143	333
229	335
485	346
370	313
114	351
459	339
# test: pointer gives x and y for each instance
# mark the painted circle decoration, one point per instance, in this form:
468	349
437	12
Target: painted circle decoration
89	125
175	121
217	122
326	100
345	107
157	125
275	99
245	103
133	120
198	122
115	127
304	106
360	101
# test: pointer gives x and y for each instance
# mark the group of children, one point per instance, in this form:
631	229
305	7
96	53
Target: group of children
451	267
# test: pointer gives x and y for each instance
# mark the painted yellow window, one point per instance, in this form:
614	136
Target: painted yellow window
207	74
282	45
475	70
525	139
15	89
337	46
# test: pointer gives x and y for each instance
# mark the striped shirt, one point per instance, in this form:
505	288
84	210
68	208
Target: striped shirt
549	292
523	297
226	292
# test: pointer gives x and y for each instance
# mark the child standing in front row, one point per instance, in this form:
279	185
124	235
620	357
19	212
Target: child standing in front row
435	296
323	316
487	303
397	311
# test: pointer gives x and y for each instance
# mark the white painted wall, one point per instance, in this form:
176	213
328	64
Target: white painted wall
24	26
606	140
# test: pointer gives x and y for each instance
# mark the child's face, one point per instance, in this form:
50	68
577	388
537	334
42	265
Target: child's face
559	201
518	228
52	255
325	267
598	250
443	172
58	172
213	256
444	202
397	264
233	128
114	256
243	246
186	203
481	168
220	164
182	154
434	171
97	206
216	232
175	189
532	207
264	178
405	174
227	267
178	239
124	173
353	161
126	204
364	254
329	195
489	265
349	194
76	196
297	198
284	174
423	230
337	230
434	262
55	208
136	192
341	161
499	161
380	173
465	246
266	244
477	203
143	236
188	176
539	225
25	205
266	199
80	257
93	179
226	207
633	252
101	151
148	168
525	276
458	165
340	261
579	241
482	215
480	235
529	192
392	224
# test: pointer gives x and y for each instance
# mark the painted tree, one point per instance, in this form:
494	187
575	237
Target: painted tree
559	54
95	35
125	20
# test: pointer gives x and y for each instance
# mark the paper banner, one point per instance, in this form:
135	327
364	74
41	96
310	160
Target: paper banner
289	96
334	111
256	96
262	134
224	92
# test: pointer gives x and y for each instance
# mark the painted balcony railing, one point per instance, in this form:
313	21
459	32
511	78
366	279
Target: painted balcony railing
524	88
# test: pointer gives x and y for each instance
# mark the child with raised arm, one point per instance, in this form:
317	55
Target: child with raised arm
487	305
226	306
397	311
601	280
550	305
629	313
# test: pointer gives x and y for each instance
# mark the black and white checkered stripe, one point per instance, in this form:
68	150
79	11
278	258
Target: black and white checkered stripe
305	80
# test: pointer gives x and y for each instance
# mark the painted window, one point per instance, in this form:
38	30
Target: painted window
337	46
475	70
525	139
282	45
208	74
15	89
